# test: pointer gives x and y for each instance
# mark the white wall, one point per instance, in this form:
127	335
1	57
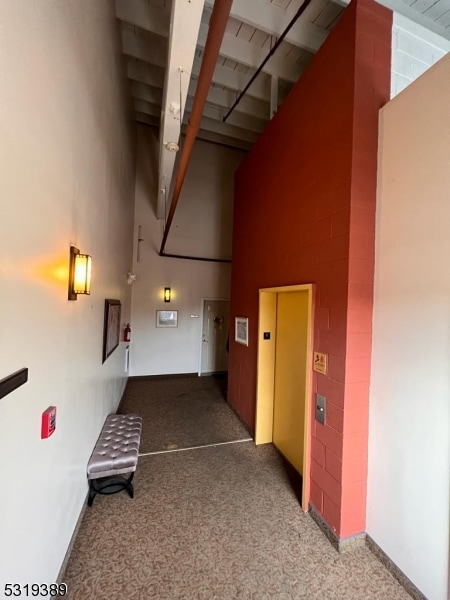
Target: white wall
414	50
204	209
67	176
409	437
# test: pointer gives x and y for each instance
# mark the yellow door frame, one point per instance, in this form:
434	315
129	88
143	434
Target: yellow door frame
266	374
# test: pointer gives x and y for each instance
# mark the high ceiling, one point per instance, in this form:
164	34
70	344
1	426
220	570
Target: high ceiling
164	44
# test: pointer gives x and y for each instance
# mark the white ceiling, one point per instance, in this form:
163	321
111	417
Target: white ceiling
163	41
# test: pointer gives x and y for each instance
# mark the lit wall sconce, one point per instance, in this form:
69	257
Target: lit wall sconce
167	294
79	273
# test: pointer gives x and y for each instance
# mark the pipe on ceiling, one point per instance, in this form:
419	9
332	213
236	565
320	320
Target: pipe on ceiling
217	25
272	51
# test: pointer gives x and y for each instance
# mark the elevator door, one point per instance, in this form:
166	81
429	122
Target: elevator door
290	376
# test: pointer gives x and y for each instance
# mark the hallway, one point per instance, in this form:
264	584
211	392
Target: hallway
217	522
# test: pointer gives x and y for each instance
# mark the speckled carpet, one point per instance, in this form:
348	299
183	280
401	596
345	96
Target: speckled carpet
221	523
182	412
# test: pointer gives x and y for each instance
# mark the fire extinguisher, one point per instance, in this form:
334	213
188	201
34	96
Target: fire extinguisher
127	333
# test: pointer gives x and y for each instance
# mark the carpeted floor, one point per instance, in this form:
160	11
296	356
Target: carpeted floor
182	412
222	523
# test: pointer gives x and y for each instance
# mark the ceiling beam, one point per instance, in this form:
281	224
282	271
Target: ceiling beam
251	55
145	48
225	98
408	11
207	136
228	130
237	119
207	123
184	27
416	16
235	80
147	108
274	20
142	14
138	70
141	91
144	73
146	119
223	140
153	19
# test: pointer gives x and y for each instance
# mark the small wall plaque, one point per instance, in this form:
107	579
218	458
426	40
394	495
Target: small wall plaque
320	362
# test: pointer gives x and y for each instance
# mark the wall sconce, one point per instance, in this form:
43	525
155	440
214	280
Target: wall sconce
167	294
79	273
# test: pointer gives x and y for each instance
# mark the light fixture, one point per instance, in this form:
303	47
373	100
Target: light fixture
167	294
131	277
79	273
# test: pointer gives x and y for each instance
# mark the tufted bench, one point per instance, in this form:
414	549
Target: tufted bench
115	453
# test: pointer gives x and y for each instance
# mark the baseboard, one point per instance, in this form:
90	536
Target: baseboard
340	544
213	373
62	570
398	574
361	539
163	376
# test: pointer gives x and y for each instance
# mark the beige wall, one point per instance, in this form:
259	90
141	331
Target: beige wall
67	176
201	227
409	438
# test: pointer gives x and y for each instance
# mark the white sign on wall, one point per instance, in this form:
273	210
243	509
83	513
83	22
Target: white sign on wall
320	362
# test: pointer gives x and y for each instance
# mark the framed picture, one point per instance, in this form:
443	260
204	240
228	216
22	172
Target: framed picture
241	330
111	328
166	318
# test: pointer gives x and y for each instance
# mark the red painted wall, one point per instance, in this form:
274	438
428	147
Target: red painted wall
305	213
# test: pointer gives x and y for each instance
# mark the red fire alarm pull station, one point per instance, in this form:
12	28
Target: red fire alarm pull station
48	422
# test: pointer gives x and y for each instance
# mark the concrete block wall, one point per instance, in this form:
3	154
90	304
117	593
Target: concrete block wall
304	202
414	50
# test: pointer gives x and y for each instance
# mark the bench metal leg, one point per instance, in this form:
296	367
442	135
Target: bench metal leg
110	485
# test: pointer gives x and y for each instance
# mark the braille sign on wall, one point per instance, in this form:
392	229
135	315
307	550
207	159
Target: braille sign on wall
320	362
